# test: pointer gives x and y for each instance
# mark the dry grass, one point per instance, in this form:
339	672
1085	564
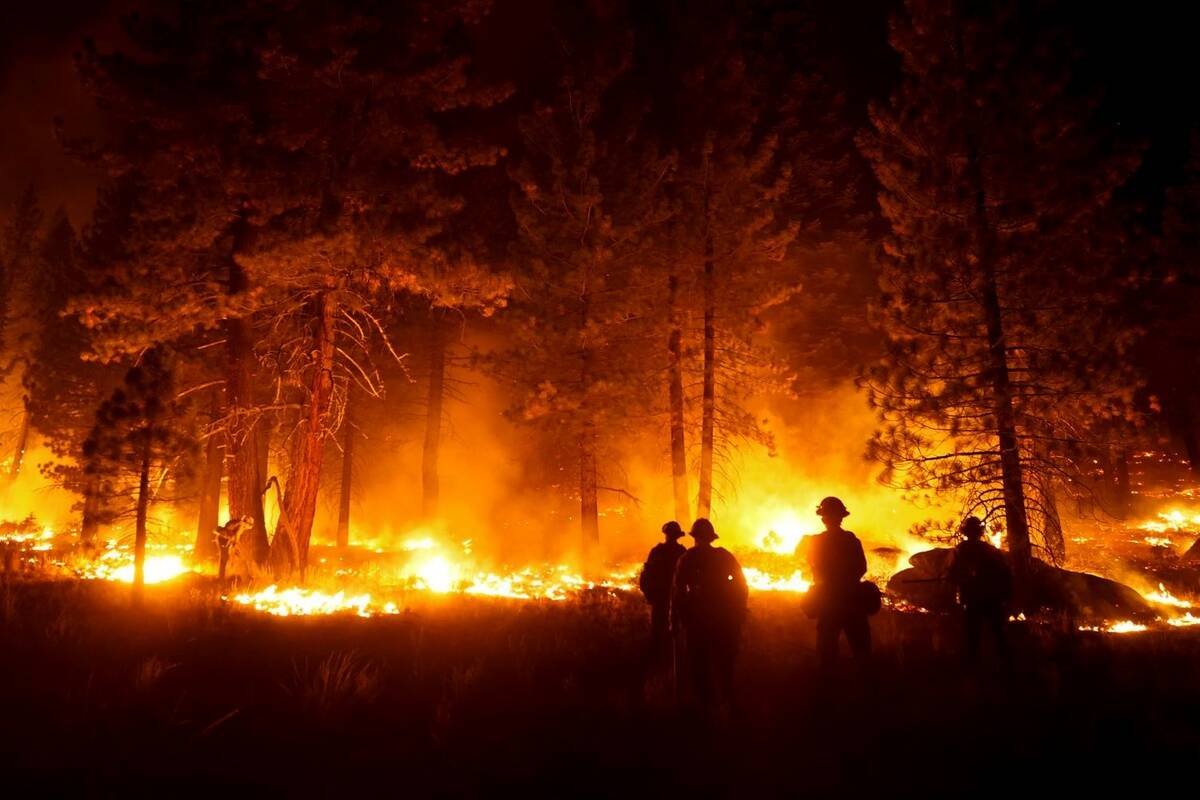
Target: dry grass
150	672
334	685
463	696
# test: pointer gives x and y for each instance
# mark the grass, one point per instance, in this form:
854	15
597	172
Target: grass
462	696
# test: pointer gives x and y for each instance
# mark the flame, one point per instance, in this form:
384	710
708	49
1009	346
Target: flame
1124	626
764	582
295	601
433	561
1165	598
1173	521
785	528
116	564
436	574
157	570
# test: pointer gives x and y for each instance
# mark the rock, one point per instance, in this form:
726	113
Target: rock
1077	594
1088	597
923	583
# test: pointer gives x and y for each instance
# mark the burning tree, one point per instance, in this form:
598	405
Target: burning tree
762	181
63	387
21	259
585	200
139	433
315	146
1175	358
1002	364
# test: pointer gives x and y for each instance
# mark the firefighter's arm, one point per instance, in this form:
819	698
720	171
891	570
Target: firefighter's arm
860	560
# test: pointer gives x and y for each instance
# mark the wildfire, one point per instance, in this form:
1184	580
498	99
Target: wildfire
1173	521
431	563
1124	626
1165	598
158	569
765	582
116	564
295	601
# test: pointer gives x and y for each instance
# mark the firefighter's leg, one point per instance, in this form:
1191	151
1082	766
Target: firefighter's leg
828	630
973	628
999	621
700	665
858	634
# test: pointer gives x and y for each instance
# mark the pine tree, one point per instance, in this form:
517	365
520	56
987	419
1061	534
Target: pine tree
137	434
761	156
585	203
1175	354
316	150
20	267
63	386
997	289
1175	350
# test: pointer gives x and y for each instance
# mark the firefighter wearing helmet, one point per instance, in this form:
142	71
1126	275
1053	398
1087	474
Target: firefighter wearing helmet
837	563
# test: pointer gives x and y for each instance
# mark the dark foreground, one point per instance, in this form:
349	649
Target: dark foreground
463	697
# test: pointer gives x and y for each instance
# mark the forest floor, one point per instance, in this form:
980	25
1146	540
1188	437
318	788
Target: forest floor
460	696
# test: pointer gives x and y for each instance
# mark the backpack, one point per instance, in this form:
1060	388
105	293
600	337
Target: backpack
869	598
657	576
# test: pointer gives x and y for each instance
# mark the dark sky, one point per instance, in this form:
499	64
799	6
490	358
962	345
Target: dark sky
1143	57
37	83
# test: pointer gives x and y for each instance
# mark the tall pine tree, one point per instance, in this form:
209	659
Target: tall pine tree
996	289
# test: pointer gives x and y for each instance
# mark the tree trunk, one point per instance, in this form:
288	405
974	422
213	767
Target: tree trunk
679	479
1053	533
289	549
18	458
1011	474
1124	492
241	443
589	506
343	525
263	432
139	536
205	548
709	400
433	418
90	523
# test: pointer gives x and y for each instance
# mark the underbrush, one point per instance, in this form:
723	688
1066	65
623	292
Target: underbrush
458	695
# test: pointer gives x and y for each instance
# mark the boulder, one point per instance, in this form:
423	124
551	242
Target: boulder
1076	594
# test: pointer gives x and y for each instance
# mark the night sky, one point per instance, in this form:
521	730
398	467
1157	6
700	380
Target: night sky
1143	65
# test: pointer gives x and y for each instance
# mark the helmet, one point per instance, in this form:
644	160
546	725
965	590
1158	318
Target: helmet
672	529
971	527
832	506
703	531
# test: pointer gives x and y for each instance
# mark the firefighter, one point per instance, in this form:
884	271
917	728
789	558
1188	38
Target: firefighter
984	583
656	582
709	606
837	564
227	536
